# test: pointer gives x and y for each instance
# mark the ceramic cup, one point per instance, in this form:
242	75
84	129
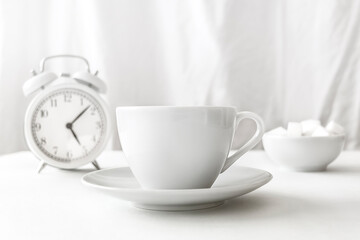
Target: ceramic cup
181	147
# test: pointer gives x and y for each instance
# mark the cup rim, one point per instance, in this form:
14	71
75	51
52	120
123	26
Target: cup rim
174	107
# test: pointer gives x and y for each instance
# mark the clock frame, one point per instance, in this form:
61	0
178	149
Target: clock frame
75	163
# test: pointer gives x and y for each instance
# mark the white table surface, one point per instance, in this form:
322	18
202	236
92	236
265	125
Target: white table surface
55	205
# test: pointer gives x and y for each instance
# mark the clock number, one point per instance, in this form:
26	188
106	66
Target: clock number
42	141
67	97
37	126
92	110
53	102
44	113
94	138
85	150
55	149
81	101
69	155
98	125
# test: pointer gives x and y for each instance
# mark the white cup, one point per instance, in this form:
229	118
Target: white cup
181	147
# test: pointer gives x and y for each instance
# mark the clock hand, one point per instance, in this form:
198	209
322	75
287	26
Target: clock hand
69	126
72	131
80	114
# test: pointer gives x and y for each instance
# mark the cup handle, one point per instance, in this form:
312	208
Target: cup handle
249	144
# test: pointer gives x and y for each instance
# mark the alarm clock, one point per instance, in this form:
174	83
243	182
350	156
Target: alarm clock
67	123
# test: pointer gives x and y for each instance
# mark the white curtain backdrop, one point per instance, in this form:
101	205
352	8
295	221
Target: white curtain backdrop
285	60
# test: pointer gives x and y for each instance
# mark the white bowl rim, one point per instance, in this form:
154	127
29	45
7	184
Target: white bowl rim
304	137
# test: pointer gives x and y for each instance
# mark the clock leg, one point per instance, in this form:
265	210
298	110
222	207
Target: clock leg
41	166
96	165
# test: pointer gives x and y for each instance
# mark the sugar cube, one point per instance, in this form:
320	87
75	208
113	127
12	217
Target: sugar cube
280	131
320	131
294	129
334	128
309	126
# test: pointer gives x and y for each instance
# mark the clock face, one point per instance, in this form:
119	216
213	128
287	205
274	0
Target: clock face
68	125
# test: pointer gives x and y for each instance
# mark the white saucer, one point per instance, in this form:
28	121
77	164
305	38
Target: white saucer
121	183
